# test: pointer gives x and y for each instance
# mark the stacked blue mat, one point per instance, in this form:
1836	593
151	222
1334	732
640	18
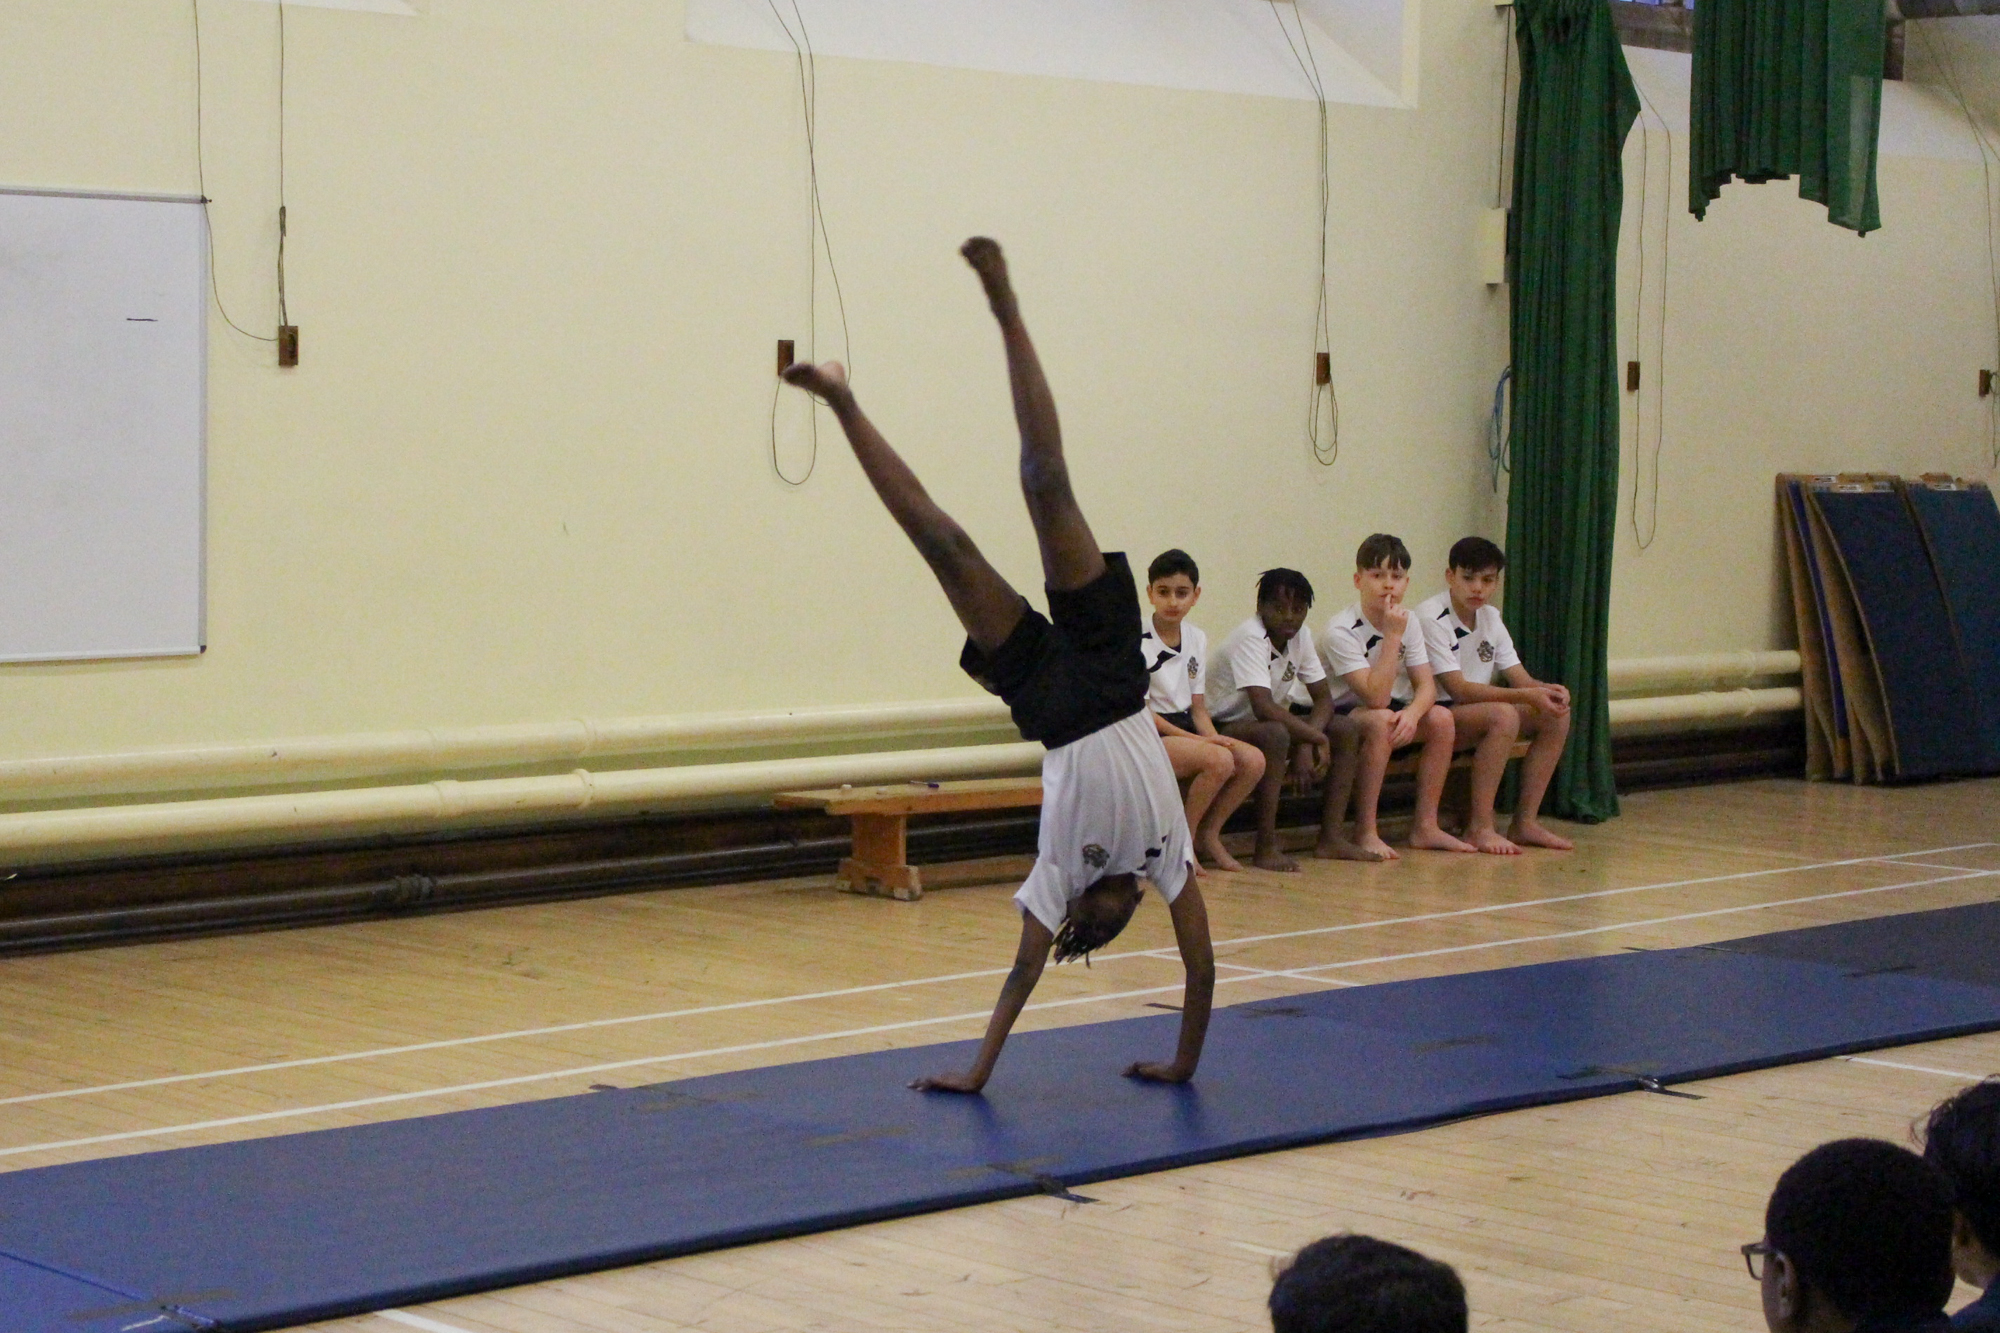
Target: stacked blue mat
274	1231
1914	567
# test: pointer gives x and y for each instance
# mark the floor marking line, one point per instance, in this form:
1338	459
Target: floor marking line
1922	865
1916	1069
587	1024
1655	921
1259	1249
1302	973
418	1321
547	1076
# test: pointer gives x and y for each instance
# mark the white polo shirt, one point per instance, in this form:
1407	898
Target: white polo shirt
1479	650
1110	806
1353	644
1246	657
1178	673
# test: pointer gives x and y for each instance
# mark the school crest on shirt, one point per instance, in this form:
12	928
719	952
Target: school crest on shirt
1095	857
1194	667
1291	671
1486	650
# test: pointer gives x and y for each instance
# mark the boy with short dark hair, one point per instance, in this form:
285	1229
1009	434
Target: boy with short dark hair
1222	769
1358	1284
1377	653
1251	682
1857	1235
1468	645
1962	1140
1110	809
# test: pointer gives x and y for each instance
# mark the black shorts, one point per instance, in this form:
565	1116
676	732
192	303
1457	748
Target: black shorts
1185	721
1079	674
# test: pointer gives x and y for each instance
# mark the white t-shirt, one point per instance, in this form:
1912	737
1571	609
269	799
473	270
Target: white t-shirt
1478	652
1352	644
1178	673
1110	806
1246	657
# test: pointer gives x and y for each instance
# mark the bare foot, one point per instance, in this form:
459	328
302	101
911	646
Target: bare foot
1435	839
983	253
1488	841
1529	833
825	380
1212	852
1369	847
1273	859
1340	849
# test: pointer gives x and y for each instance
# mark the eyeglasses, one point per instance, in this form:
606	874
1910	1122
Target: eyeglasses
1755	1255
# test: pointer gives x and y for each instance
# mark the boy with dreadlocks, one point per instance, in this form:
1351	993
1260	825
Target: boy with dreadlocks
1111	811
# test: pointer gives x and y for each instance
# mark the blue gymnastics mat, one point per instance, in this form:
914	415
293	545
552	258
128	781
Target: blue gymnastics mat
274	1231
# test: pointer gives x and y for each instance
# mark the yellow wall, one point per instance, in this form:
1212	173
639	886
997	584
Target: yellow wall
540	254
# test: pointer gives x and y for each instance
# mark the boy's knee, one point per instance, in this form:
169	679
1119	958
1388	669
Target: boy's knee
1216	761
1249	761
1504	719
1045	478
1438	725
944	545
1344	732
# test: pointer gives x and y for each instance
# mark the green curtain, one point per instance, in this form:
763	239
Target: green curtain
1789	88
1577	103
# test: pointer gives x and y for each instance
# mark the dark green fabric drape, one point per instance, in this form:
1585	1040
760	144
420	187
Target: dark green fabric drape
1576	104
1789	88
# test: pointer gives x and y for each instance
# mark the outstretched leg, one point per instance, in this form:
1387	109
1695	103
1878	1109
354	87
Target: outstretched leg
1070	558
986	605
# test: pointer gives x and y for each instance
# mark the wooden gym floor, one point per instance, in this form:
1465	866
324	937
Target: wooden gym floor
1625	1210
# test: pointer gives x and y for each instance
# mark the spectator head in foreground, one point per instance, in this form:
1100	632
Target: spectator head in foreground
1357	1284
1962	1140
1857	1235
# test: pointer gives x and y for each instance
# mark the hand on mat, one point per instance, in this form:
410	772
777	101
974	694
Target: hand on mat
948	1083
1404	729
1153	1072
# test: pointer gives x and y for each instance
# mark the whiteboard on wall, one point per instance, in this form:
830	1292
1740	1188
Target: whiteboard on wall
103	407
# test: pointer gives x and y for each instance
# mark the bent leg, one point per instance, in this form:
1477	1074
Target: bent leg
1436	733
1246	772
1370	768
1344	737
1488	730
1210	766
1070	557
985	604
1551	733
1276	744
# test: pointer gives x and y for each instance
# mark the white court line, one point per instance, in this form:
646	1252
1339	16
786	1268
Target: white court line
1634	925
1296	976
907	1024
1916	1069
581	1070
1259	1249
1921	865
418	1321
521	1033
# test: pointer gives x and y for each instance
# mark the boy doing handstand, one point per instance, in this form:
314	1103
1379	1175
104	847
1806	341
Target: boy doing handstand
1467	645
1110	809
1224	770
1377	652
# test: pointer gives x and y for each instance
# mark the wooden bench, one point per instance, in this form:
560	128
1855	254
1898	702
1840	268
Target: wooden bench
880	863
